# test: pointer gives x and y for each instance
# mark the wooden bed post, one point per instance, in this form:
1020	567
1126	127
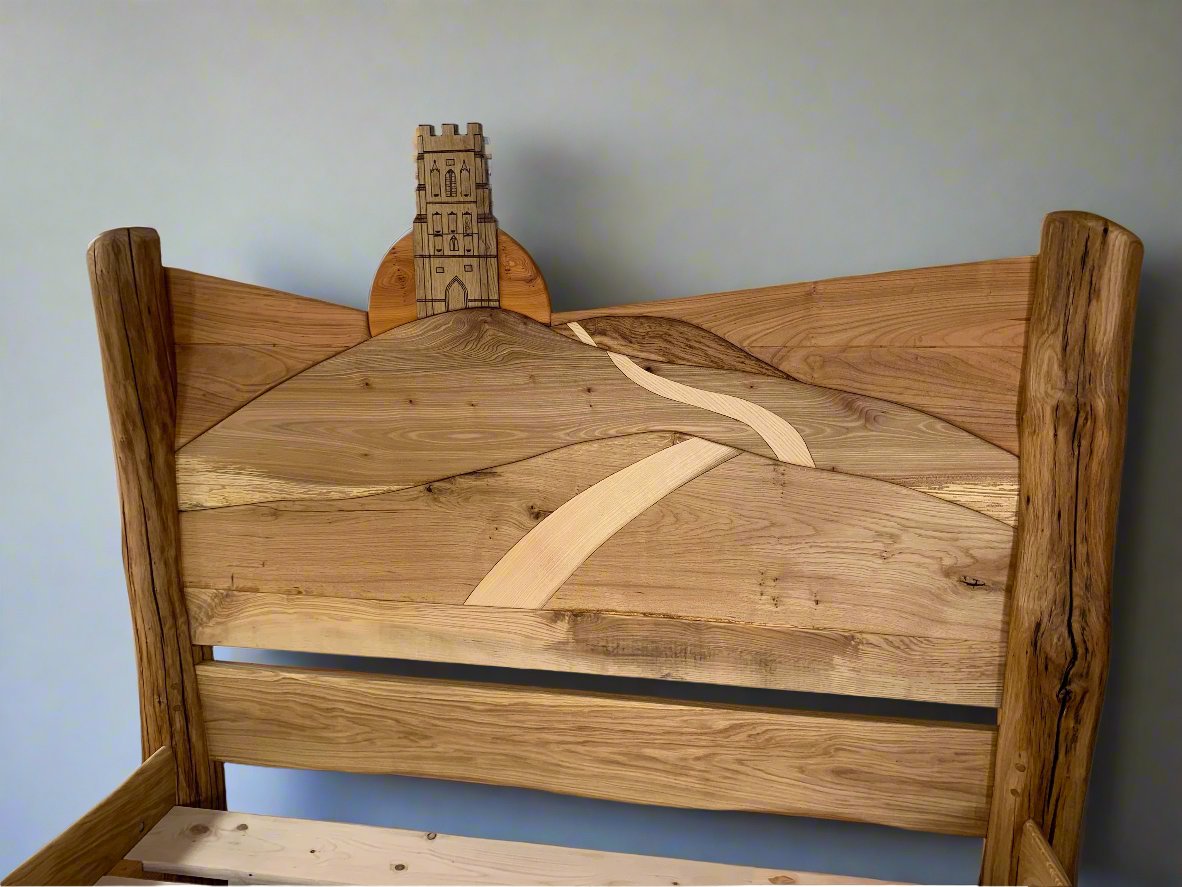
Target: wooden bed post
139	369
1072	430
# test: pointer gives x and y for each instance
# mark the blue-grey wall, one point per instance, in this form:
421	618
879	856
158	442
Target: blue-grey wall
270	142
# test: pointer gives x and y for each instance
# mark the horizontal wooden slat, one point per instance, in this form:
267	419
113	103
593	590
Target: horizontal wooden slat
243	847
88	849
968	305
891	666
911	774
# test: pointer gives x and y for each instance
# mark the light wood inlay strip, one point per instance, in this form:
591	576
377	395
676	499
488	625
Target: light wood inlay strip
273	850
932	776
537	566
784	440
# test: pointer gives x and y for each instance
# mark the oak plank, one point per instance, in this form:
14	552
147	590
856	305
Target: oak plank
920	775
213	311
973	388
135	331
215	380
235	341
277	850
752	541
392	295
967	305
958	671
452	394
1073	428
89	848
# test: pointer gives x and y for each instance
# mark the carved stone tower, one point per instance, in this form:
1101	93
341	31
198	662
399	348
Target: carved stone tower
455	234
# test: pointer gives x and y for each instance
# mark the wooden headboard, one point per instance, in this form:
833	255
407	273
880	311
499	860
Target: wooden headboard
811	487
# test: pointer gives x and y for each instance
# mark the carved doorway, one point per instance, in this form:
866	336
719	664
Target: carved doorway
456	294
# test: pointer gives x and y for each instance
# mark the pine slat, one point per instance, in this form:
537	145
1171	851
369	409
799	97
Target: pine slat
243	847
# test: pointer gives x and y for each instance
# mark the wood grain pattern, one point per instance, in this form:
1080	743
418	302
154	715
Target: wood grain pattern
212	311
235	341
91	846
668	340
215	380
910	774
967	306
946	340
545	557
451	395
1037	865
275	850
745	542
135	331
1073	427
957	671
392	295
973	388
781	438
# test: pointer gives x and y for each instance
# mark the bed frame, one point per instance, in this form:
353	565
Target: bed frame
901	486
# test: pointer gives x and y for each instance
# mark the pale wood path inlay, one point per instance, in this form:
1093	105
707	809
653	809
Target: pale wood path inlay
537	566
784	440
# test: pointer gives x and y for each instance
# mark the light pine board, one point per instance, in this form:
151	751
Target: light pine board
911	774
94	843
751	540
235	341
452	394
273	850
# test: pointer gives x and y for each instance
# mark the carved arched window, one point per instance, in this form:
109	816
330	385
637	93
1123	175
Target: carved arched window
451	223
465	181
467	243
438	238
434	181
455	244
467	223
449	183
436	223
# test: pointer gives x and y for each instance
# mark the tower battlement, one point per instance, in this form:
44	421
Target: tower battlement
450	139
